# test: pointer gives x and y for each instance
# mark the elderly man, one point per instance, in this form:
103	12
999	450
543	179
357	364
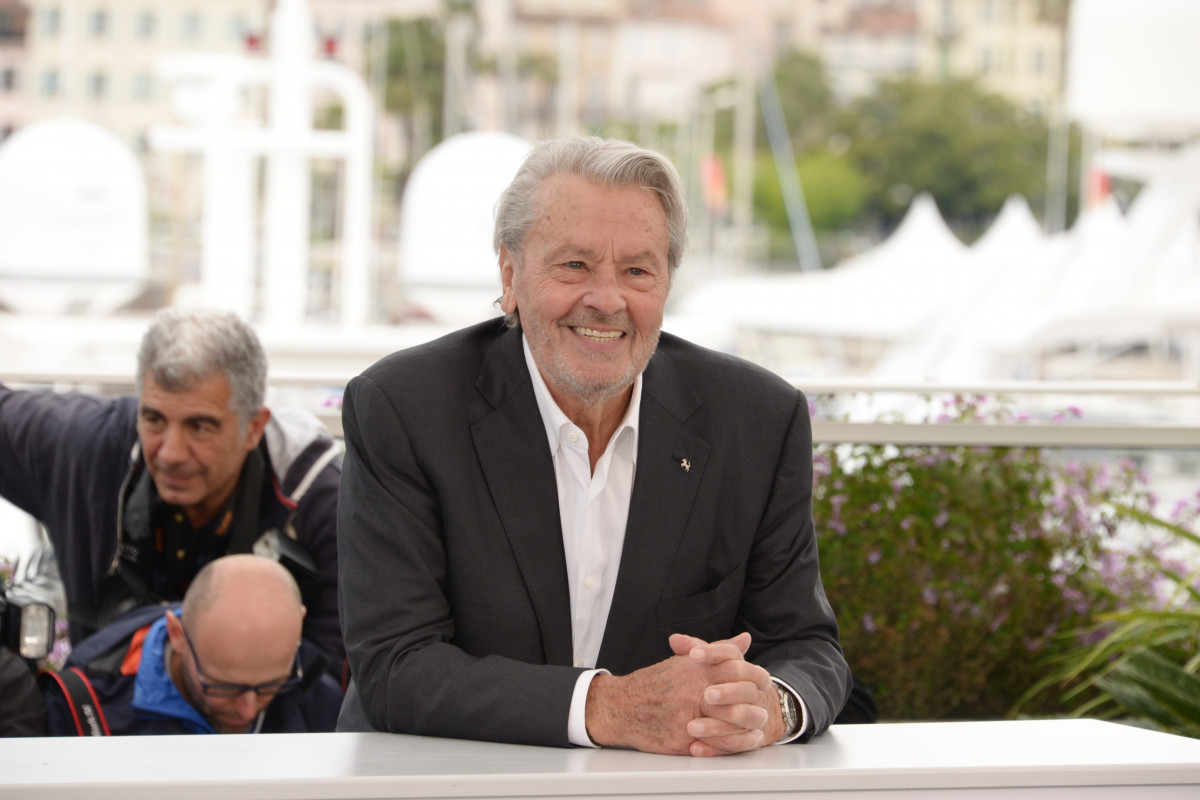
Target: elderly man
138	493
565	528
230	661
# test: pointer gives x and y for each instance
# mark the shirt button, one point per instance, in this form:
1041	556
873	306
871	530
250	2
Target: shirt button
180	554
178	517
579	662
573	436
589	582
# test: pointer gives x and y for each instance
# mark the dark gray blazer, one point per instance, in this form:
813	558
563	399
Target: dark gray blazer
453	584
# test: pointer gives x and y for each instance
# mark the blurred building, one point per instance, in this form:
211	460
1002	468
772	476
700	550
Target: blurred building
872	41
13	21
1015	47
96	60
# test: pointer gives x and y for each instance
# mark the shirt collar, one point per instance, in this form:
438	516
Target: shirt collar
557	423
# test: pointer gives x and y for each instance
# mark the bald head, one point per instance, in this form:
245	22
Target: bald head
244	599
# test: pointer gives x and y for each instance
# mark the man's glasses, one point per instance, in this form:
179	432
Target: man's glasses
235	689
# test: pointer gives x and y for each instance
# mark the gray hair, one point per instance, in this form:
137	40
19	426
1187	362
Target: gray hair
185	346
608	162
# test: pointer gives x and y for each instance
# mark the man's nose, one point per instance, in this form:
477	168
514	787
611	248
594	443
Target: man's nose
605	293
174	447
247	704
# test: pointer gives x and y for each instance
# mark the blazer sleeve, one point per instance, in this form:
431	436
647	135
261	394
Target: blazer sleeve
783	604
394	596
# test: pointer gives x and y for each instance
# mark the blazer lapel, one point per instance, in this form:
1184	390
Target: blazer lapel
670	465
511	445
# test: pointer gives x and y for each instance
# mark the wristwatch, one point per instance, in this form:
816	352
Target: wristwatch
787	706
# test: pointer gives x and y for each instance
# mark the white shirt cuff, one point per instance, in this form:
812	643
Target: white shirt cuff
800	705
576	722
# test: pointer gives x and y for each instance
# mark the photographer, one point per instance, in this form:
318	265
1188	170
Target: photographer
138	493
230	660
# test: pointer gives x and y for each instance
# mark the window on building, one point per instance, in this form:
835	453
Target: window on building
99	23
97	85
8	23
8	79
986	61
1038	62
191	27
50	21
143	86
48	83
147	24
237	29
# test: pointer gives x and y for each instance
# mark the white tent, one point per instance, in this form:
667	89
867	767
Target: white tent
1005	262
884	293
73	220
447	267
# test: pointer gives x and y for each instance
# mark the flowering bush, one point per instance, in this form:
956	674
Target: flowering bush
952	569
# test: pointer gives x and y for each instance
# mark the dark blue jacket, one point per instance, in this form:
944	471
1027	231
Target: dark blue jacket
68	459
146	701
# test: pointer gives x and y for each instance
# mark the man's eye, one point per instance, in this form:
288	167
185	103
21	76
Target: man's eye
575	264
637	271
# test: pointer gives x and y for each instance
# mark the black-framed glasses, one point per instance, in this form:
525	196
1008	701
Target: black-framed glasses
235	689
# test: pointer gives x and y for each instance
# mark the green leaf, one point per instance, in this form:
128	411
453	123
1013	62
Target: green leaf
1154	687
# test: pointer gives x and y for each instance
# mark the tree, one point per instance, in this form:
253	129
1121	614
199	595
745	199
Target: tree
416	66
834	194
968	148
807	100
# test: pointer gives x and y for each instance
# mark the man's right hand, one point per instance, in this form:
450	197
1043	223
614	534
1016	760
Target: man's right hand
650	709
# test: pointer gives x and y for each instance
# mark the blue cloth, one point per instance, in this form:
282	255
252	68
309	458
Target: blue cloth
155	695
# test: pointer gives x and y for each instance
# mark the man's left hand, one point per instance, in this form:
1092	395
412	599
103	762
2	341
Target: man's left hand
739	710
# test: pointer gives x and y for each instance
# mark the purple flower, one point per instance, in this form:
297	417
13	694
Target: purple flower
868	623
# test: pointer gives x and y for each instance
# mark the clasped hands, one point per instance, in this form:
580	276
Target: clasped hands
706	700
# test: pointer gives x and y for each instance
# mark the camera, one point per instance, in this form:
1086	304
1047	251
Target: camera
26	623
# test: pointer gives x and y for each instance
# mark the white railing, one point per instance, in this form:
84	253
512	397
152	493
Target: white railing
1073	434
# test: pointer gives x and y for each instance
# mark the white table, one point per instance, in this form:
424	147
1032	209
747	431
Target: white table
1058	758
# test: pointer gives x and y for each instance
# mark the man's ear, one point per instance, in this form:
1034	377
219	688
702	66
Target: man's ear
175	632
256	426
508	267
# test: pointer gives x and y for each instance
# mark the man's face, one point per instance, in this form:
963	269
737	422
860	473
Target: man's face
591	286
194	444
226	660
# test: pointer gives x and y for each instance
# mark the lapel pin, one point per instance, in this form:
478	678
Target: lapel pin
685	464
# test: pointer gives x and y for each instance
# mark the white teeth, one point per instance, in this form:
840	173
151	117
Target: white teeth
600	336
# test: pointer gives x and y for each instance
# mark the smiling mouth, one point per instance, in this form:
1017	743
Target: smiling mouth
599	336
